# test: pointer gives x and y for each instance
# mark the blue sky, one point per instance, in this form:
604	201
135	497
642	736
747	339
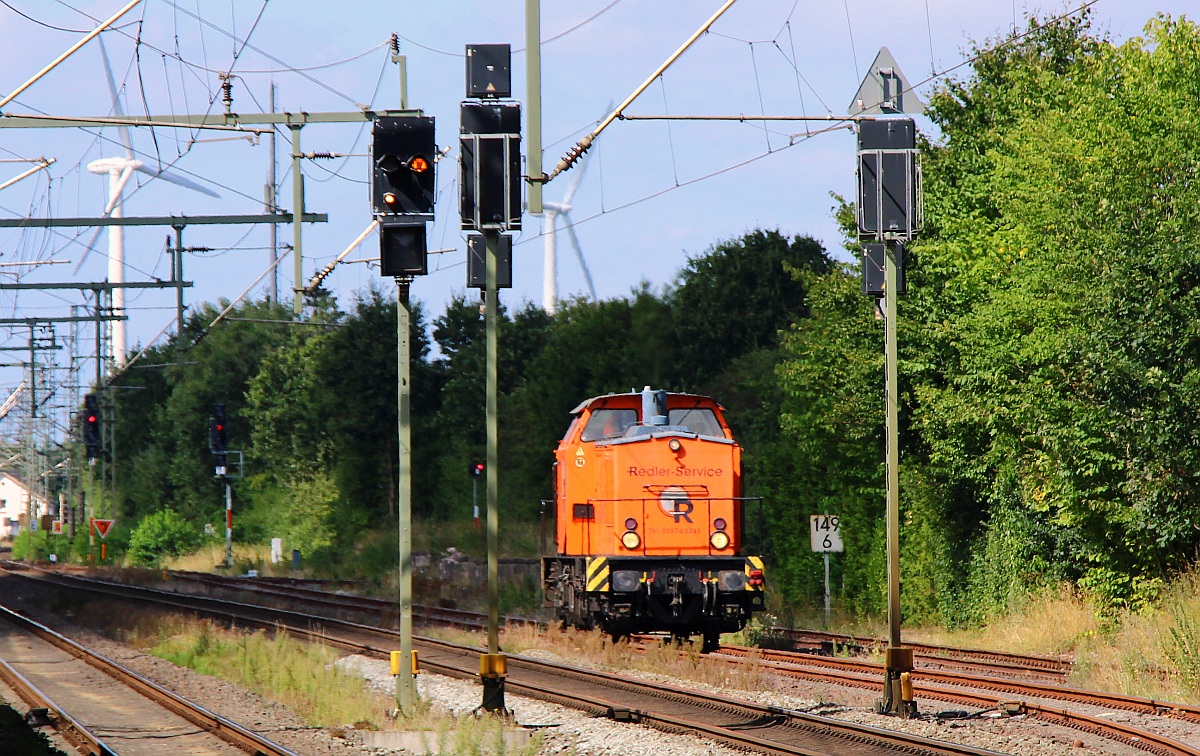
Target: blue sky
643	207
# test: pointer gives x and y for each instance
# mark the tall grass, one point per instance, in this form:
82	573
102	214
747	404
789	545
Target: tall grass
245	557
1182	618
301	676
1051	622
1153	651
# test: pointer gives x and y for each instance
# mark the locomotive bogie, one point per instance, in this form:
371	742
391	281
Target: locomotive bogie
682	596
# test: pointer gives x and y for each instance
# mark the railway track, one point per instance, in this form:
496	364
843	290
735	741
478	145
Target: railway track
794	661
113	711
1010	696
958	688
341	603
925	655
811	641
764	729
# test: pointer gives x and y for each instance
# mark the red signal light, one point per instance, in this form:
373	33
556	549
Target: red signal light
479	467
91	418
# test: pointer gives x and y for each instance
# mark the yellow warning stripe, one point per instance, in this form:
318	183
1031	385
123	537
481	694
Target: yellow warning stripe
753	563
597	574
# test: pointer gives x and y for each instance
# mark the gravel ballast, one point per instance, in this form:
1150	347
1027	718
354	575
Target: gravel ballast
565	731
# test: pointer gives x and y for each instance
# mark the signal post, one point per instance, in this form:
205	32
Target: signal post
490	202
889	217
403	185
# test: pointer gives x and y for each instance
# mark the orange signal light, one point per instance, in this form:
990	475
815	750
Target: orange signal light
418	164
389	198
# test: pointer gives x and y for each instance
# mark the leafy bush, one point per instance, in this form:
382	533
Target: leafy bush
163	533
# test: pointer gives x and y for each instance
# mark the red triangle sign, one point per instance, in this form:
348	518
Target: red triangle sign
101	527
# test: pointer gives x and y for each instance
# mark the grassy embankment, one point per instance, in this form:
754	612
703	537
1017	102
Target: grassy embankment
1153	653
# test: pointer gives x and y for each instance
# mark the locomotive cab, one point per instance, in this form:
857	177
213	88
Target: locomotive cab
648	520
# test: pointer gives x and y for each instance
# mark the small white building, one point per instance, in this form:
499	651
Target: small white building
13	494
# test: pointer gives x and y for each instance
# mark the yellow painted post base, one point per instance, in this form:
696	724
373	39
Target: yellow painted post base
897	684
395	658
493	669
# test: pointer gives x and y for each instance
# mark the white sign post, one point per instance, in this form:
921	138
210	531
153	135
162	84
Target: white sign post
825	534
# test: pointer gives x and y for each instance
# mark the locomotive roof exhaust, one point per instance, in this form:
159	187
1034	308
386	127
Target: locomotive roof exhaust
654	407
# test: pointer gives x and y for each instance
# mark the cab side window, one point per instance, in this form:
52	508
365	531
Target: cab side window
608	423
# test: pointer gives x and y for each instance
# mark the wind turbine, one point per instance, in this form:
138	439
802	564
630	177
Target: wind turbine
551	211
119	170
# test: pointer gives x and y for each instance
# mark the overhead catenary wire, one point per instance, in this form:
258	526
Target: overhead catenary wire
221	316
68	53
574	154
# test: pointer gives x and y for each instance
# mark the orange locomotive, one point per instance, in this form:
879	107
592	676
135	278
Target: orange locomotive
648	520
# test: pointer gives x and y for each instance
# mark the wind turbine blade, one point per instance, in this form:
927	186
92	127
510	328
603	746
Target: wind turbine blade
123	131
176	179
587	274
90	246
113	200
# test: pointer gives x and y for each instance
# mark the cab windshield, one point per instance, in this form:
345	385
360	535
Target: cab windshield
699	420
608	423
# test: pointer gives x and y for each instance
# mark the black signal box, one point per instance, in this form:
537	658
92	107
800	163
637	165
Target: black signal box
888	179
476	262
403	179
402	250
874	260
490	166
488	71
887	134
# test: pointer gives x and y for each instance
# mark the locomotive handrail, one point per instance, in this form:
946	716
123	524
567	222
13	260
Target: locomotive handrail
590	500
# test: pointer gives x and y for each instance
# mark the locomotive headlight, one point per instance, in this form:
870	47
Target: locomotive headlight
719	540
674	444
731	580
626	581
630	540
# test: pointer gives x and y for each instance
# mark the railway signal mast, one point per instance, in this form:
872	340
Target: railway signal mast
490	203
218	444
889	217
403	189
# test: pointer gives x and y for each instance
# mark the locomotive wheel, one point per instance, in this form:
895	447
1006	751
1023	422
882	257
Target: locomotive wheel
712	642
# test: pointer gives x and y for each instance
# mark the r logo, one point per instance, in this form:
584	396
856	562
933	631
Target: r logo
675	503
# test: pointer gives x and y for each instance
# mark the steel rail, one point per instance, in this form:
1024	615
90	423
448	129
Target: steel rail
850	736
841	672
215	725
70	729
1105	699
439	615
933	652
1136	737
